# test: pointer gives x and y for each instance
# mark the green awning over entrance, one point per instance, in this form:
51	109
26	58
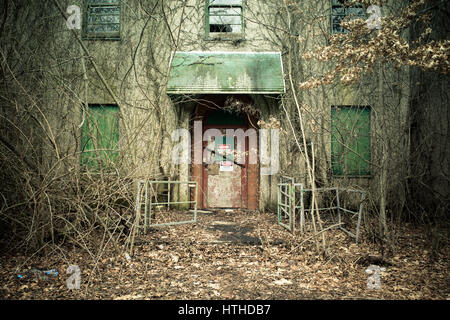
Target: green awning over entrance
226	72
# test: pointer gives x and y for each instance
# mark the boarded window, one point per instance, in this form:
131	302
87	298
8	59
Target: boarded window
102	20
224	19
350	140
100	137
340	10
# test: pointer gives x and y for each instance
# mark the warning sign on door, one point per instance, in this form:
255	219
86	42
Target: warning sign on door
224	151
226	165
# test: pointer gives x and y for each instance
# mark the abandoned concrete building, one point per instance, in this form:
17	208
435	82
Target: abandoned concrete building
123	90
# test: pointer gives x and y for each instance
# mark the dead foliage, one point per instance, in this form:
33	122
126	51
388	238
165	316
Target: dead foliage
236	255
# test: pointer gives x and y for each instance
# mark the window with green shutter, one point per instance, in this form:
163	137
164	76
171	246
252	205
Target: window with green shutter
100	137
224	19
101	20
350	140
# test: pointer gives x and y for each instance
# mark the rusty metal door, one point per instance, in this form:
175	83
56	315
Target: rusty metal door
224	176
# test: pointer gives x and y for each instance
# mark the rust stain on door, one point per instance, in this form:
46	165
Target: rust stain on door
224	189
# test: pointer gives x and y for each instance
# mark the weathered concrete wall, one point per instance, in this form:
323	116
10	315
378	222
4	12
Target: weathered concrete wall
136	69
430	134
388	118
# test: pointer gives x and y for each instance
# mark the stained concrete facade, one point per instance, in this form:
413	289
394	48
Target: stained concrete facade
136	69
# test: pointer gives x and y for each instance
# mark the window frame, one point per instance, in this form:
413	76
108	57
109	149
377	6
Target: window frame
91	163
226	36
113	36
335	3
341	162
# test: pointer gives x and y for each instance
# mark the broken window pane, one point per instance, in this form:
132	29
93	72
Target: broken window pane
225	20
214	11
225	16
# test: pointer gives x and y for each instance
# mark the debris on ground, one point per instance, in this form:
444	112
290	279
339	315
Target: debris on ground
237	255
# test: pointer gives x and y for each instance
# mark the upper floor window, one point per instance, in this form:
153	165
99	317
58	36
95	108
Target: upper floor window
340	10
102	20
224	19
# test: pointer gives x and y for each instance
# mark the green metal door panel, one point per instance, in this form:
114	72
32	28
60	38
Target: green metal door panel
226	72
100	137
350	140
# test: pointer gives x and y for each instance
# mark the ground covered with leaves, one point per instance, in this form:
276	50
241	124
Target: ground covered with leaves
234	255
